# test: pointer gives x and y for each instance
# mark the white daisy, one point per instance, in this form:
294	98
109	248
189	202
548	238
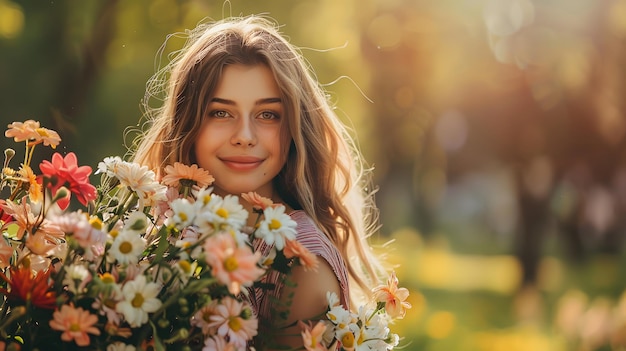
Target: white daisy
276	227
204	197
183	213
373	331
127	247
76	277
142	181
340	317
185	269
140	298
108	166
332	298
137	221
221	212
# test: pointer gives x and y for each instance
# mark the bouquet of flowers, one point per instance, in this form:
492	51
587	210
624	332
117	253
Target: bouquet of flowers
145	263
363	331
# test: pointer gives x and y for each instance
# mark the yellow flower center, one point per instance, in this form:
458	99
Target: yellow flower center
274	224
347	340
107	278
137	300
206	199
222	212
234	324
183	216
230	264
42	132
126	247
185	266
96	223
113	233
74	327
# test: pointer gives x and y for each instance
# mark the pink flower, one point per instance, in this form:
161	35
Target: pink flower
33	133
25	220
393	297
308	260
78	226
202	318
22	216
232	265
75	323
21	131
66	172
229	321
313	337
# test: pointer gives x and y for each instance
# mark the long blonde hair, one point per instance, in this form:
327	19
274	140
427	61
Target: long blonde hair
324	174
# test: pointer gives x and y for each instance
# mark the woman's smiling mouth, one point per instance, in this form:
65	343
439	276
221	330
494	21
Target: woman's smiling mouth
241	163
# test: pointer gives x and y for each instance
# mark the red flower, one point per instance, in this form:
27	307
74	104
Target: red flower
26	286
65	172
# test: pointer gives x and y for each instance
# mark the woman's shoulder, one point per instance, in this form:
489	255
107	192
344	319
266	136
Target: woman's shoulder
312	238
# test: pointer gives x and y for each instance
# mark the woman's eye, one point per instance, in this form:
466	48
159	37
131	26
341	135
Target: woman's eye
219	114
268	115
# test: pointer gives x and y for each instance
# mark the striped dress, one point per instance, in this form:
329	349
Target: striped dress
312	238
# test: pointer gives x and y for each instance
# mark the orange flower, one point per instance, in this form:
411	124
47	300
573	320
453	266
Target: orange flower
256	200
182	173
30	179
26	286
75	323
38	244
313	336
308	260
393	297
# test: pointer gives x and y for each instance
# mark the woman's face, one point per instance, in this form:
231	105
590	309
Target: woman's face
243	139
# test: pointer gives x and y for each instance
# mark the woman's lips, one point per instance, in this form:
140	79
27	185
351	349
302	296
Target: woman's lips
241	163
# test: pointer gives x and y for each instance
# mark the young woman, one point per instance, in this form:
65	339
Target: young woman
241	102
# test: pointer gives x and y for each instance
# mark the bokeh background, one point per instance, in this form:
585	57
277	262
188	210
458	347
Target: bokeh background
496	129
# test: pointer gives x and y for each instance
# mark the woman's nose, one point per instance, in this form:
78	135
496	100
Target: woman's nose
244	134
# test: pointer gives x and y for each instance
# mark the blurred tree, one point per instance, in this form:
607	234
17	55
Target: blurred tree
49	67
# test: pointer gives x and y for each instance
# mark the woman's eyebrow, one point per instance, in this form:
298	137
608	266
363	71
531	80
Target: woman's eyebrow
223	101
271	100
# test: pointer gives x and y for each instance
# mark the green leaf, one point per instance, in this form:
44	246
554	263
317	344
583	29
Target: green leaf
163	243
